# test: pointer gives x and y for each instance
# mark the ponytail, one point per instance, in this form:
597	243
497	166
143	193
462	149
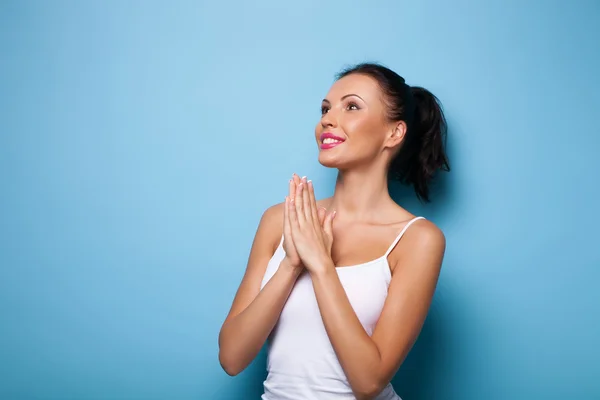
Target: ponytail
430	129
422	152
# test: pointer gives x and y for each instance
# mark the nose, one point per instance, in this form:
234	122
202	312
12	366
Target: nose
328	119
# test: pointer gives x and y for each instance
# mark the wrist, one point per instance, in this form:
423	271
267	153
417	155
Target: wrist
323	269
287	266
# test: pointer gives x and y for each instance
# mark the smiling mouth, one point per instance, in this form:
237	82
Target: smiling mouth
329	143
331	140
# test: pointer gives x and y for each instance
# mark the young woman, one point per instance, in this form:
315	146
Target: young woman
339	296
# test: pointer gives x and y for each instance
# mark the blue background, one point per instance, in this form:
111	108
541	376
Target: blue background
140	143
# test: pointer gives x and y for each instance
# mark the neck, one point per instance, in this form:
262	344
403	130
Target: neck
359	194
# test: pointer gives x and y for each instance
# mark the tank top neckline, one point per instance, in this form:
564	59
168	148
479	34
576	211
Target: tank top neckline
383	257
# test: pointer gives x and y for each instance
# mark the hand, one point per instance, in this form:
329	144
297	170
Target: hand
291	255
311	229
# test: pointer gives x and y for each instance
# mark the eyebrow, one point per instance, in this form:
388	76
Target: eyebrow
347	95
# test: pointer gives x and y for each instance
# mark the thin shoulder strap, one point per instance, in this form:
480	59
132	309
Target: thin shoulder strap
387	253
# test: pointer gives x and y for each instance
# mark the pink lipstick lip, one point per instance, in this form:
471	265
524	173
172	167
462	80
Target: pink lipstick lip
325	146
329	135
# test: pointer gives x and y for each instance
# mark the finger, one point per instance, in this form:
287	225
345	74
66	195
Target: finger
296	179
292	189
306	200
298	204
292	216
328	224
321	214
313	202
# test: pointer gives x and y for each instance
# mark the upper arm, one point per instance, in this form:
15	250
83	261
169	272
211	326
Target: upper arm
420	254
268	234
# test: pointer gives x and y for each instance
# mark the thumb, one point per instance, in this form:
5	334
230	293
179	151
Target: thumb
328	224
321	214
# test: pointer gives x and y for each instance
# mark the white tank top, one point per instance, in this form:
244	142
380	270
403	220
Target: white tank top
301	362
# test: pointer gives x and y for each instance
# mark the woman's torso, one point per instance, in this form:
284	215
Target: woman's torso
301	362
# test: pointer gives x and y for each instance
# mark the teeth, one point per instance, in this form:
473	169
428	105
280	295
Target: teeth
329	140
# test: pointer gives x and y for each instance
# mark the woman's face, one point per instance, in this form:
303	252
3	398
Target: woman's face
353	128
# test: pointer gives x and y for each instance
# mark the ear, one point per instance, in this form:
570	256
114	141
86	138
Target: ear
397	133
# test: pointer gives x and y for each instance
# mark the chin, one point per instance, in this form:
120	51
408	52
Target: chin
329	160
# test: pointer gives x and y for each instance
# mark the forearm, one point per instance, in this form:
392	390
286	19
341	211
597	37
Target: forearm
243	335
356	351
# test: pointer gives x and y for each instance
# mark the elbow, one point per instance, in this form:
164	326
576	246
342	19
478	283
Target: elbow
229	370
229	366
228	360
368	390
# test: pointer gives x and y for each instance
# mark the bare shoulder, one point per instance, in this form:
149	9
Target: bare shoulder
271	223
425	232
274	213
421	230
422	243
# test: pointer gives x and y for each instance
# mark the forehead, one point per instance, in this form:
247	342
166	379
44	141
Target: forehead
362	85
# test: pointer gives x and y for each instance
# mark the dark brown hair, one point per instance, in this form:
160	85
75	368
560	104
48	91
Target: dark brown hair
423	152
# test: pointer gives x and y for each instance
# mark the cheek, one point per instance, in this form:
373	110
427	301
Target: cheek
368	135
362	127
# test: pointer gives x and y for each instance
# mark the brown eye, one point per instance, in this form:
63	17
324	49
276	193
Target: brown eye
352	106
324	109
